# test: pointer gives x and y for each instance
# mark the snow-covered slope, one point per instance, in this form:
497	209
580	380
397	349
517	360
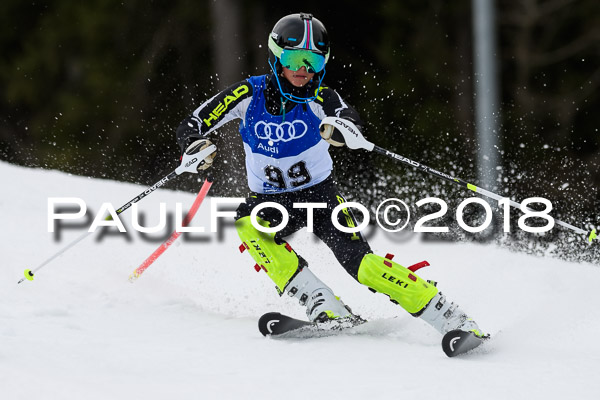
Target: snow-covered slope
187	328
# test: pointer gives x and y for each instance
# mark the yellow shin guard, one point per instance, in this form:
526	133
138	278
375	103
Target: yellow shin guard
279	261
402	286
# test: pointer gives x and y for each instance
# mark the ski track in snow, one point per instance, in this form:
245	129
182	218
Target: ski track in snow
187	329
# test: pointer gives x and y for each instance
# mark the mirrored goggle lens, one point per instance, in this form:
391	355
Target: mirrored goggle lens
296	59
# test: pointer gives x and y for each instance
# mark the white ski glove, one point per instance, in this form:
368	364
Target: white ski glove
197	147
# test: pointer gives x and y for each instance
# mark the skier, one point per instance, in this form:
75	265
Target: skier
287	161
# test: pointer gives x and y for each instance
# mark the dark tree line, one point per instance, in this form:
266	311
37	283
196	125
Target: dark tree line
98	87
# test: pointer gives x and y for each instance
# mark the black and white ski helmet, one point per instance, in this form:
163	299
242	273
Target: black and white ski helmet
296	41
298	31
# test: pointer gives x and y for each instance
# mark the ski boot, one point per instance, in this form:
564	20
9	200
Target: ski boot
290	273
417	296
461	333
445	316
321	304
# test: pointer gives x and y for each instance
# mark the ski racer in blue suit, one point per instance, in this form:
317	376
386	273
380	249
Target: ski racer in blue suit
287	161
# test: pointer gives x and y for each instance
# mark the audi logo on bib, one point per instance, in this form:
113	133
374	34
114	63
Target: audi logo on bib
284	132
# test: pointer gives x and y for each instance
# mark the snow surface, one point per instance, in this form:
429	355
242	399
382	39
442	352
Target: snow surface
187	328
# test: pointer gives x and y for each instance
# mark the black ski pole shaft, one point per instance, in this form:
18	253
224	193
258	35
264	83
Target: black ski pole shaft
355	140
470	186
189	163
29	273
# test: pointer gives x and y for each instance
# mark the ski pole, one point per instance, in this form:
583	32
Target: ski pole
186	221
189	163
355	140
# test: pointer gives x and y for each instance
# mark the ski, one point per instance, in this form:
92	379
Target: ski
277	325
459	342
280	326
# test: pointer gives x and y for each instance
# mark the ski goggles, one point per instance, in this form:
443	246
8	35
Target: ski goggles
295	59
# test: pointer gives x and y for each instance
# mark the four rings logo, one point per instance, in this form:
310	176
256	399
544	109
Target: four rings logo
284	132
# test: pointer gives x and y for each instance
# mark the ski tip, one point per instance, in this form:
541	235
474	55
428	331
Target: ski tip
266	321
459	342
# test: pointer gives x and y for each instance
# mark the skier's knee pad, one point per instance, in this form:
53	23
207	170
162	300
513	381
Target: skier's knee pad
402	286
278	260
